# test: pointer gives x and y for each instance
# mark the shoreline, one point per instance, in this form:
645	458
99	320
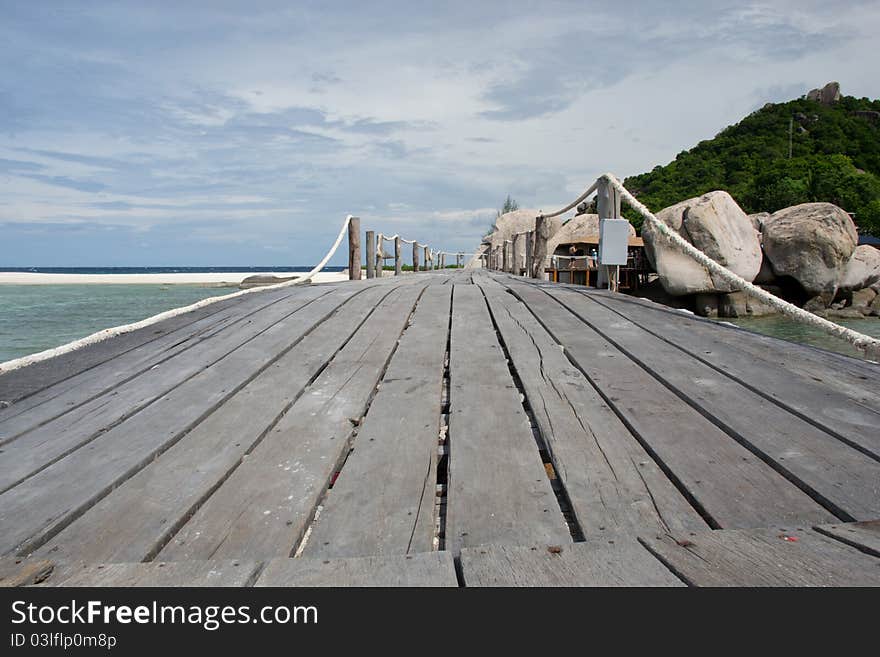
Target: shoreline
214	279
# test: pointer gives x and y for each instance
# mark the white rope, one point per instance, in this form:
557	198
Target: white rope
871	346
590	190
104	334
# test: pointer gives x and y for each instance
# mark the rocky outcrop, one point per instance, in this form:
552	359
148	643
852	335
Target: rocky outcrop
812	243
511	223
740	304
716	225
827	95
863	269
261	280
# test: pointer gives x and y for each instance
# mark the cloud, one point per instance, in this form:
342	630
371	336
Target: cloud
248	128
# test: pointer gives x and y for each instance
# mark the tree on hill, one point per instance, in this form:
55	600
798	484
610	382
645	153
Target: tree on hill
834	157
509	206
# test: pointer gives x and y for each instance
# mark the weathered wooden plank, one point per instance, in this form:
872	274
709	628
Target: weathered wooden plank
732	486
227	573
18	571
18	384
35	510
383	500
616	562
841	478
862	535
263	509
816	392
62	397
136	520
430	569
853	377
764	557
44	445
612	482
498	491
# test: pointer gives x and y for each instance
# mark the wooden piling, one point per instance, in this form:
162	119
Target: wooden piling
517	246
380	252
397	260
354	249
608	207
530	245
539	252
371	254
416	257
425	254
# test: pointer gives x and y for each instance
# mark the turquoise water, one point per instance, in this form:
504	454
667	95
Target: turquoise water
787	329
38	317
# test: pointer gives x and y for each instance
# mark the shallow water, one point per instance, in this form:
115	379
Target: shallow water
38	317
780	326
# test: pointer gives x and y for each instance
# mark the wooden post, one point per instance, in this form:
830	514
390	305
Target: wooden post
496	258
530	245
426	257
415	257
371	254
518	247
354	249
380	252
443	260
539	251
608	207
505	258
397	261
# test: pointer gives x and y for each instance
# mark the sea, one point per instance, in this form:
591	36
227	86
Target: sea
38	317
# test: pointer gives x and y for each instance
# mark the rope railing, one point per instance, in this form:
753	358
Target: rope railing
611	191
104	334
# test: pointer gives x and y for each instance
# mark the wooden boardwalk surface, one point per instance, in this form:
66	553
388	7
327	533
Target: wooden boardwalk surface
445	429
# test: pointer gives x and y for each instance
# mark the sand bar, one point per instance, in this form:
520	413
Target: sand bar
209	278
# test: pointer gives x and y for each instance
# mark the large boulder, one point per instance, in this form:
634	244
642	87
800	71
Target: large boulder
718	227
863	269
511	223
740	304
812	243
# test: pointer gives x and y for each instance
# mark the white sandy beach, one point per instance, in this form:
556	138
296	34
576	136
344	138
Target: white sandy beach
224	279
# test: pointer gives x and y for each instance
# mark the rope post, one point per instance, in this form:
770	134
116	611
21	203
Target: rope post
539	251
425	254
458	260
443	260
505	259
371	254
380	255
397	260
518	247
530	245
354	249
415	257
608	205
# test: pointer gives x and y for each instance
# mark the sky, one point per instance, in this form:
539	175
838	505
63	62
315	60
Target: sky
220	133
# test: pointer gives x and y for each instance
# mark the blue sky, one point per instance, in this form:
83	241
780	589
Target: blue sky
220	133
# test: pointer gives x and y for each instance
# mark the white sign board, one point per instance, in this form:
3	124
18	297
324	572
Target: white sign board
613	241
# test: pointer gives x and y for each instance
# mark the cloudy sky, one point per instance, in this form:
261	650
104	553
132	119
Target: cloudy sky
220	133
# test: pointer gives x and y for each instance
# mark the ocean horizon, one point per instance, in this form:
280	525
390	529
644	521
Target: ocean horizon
223	269
34	318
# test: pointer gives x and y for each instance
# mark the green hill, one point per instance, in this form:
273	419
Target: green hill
835	157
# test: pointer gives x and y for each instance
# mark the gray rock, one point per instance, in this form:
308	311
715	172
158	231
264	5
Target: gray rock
706	304
812	243
758	219
863	269
863	298
827	95
716	225
262	280
740	304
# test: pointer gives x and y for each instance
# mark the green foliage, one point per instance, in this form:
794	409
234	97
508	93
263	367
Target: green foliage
835	158
509	206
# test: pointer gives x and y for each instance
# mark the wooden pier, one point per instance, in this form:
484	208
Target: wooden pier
464	428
